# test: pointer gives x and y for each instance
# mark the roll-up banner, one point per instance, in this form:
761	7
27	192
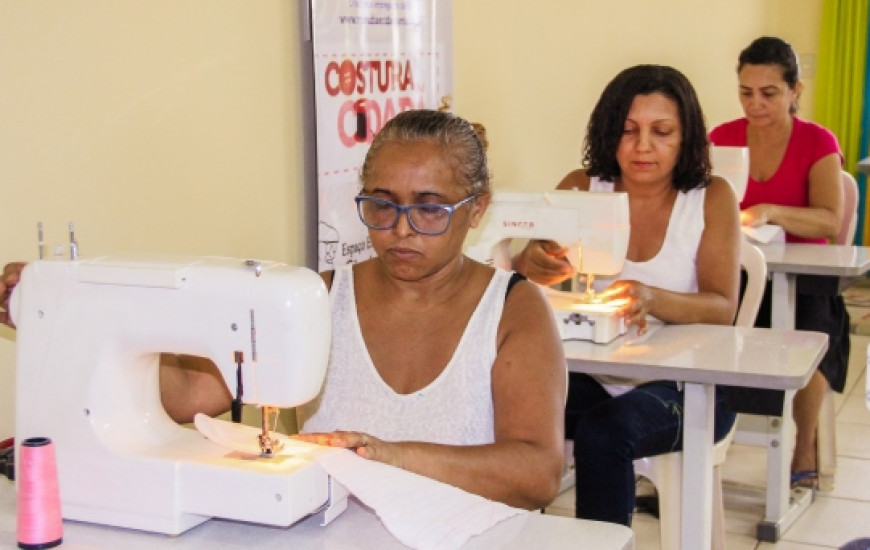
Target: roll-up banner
372	60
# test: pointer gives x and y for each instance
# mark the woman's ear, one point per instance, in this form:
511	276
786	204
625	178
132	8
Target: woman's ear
796	96
478	209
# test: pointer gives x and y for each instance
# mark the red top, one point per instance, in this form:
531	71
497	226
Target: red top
790	184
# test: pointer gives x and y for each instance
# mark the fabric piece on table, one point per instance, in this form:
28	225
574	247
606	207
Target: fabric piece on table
420	512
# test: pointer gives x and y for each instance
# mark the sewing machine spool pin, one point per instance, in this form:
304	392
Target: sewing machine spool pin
256	266
73	243
40	240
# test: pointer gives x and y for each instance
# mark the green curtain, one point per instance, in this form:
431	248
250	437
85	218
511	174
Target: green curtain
841	81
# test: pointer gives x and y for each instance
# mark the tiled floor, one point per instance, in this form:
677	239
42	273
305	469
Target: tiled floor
835	517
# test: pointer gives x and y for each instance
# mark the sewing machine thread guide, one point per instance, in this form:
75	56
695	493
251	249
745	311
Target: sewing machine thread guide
236	410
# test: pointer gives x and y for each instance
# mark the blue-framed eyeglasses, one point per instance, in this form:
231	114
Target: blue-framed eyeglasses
424	218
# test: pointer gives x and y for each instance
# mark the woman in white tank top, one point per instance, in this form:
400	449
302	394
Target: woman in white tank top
646	137
435	367
439	364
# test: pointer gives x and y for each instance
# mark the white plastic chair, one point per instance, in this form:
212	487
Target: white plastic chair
826	440
666	471
850	210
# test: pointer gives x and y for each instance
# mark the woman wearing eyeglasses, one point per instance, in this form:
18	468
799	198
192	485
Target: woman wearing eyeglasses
440	365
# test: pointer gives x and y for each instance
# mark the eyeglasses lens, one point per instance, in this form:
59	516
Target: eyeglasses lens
378	214
427	219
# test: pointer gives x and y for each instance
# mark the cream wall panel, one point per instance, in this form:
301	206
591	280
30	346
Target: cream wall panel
532	71
798	23
158	126
177	126
171	126
534	79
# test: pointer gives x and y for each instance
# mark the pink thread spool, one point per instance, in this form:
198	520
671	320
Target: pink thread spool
39	521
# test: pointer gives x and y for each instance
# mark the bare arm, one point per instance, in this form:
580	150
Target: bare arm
717	270
8	280
524	464
822	218
189	385
523	467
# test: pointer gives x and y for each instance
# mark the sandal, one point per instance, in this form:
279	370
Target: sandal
808	479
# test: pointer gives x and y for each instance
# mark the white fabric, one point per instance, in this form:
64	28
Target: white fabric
674	268
421	512
456	408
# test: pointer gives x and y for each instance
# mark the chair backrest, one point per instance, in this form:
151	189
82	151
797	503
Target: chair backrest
752	261
850	210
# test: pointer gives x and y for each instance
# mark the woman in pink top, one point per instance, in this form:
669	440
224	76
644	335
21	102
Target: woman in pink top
794	182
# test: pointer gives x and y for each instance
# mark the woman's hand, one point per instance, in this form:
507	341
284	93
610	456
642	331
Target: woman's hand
543	262
755	216
365	445
638	301
11	276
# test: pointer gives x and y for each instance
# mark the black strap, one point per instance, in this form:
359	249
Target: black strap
515	278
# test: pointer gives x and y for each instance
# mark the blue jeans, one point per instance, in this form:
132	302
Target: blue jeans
611	432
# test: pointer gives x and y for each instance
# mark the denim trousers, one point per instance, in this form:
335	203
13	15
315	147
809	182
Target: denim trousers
611	432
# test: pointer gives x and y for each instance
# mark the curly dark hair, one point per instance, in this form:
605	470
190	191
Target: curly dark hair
607	122
770	50
459	139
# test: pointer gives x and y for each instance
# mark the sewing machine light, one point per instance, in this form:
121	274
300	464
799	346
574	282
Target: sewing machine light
598	306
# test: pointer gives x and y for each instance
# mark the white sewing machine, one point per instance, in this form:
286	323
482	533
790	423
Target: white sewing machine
593	226
89	337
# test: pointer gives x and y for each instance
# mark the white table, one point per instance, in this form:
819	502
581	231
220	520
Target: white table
784	263
356	528
864	165
703	356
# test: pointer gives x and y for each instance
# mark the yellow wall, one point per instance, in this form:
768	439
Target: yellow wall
533	74
177	125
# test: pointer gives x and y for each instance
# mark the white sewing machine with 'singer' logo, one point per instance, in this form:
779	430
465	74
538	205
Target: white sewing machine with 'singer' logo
593	226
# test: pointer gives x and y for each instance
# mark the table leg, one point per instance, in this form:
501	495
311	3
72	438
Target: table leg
697	497
780	509
783	300
781	432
